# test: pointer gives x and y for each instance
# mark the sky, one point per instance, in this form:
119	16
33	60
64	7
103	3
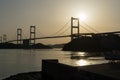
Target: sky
49	16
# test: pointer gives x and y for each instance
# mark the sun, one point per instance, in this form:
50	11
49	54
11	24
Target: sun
82	16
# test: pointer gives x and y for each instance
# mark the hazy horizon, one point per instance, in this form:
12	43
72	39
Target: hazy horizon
50	15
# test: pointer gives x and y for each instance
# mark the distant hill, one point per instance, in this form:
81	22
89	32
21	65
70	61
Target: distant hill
95	43
20	46
40	46
57	45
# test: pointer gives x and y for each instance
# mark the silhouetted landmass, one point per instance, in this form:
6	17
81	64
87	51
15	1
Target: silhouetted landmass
58	45
21	46
25	76
40	45
94	43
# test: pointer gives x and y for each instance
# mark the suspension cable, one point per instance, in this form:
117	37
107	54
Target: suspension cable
62	28
91	28
85	29
64	31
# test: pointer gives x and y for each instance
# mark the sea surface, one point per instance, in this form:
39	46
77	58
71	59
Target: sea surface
14	61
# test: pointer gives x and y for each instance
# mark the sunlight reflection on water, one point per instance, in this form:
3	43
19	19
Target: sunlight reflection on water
82	62
19	61
81	53
85	58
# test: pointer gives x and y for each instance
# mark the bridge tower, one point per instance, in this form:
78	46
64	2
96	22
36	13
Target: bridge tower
32	35
4	38
74	27
19	36
0	39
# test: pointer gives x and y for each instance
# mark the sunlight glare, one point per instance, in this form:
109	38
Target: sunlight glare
82	62
82	16
81	53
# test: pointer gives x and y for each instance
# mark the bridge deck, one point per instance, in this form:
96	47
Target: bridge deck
50	37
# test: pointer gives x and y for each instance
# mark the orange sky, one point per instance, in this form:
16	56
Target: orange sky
51	15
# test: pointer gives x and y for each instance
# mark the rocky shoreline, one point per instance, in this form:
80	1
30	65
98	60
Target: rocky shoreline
94	44
25	76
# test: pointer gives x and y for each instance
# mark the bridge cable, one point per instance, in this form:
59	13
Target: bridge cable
60	28
91	28
85	29
64	31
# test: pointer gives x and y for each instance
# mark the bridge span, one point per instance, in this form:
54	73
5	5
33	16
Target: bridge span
64	36
73	34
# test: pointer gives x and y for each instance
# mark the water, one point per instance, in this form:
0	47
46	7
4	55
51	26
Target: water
14	61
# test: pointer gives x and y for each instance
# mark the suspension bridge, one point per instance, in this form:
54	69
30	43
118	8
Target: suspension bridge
75	33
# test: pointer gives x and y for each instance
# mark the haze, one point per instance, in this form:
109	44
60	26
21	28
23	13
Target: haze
50	15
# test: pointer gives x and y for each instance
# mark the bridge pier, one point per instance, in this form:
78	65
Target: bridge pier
32	35
74	25
0	39
4	38
19	36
